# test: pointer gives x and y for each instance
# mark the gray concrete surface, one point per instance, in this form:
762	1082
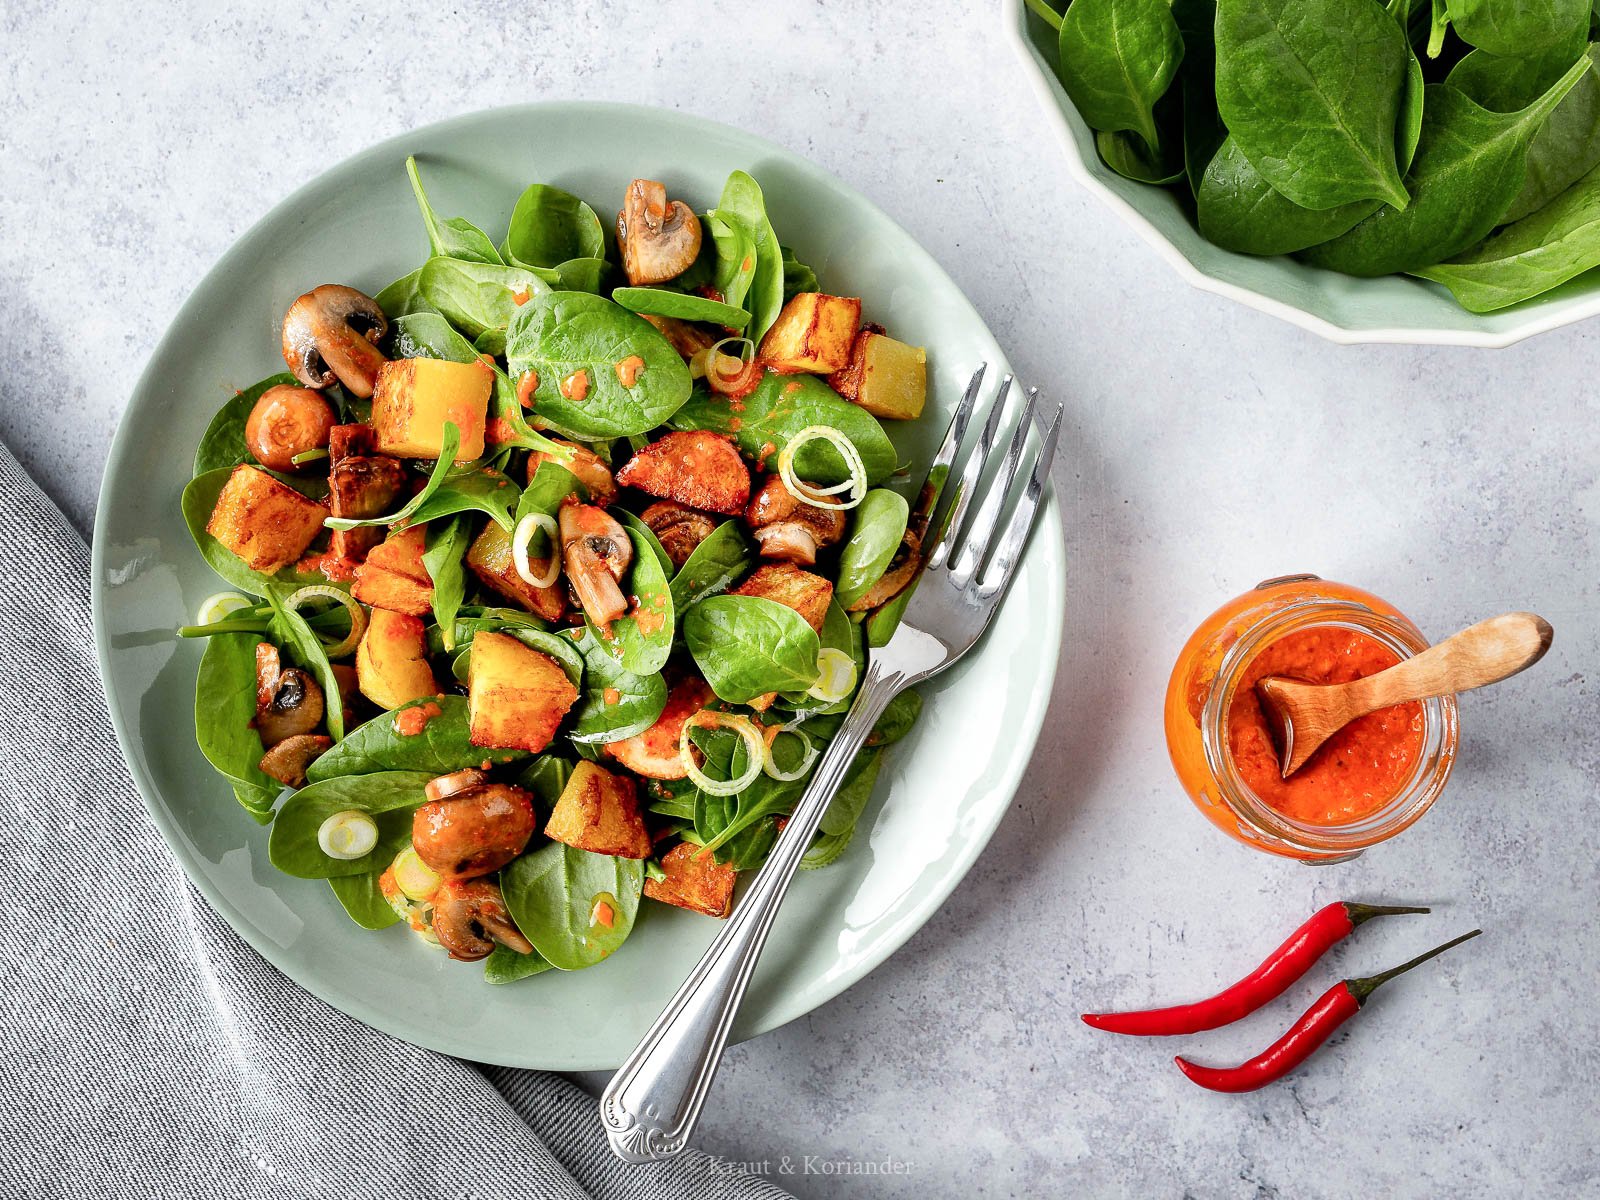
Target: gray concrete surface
1208	447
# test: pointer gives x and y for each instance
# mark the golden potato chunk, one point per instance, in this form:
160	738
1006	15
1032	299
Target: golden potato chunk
414	397
786	583
392	660
887	378
266	523
695	880
700	469
654	752
814	332
394	577
599	812
491	561
516	696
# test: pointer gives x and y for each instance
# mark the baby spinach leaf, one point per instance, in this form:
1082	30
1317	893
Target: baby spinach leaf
552	892
613	702
780	407
546	492
404	297
875	534
580	274
634	524
390	797
746	646
1310	90
222	444
797	277
1530	256
477	298
224	709
1515	28
641	641
256	800
742	204
363	900
546	777
844	811
291	632
472	489
475	618
1203	131
838	632
571	336
447	544
428	335
685	306
897	719
550	226
199	499
1240	211
1470	166
1125	153
724	557
442	746
1117	58
453	238
505	965
735	244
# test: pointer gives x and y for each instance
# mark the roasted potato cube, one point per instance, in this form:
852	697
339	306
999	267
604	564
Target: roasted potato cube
491	561
654	753
392	660
394	576
266	523
700	469
887	378
786	583
516	696
414	397
814	332
598	812
695	880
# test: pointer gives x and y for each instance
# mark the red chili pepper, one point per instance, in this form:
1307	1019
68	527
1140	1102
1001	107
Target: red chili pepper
1268	981
1335	1006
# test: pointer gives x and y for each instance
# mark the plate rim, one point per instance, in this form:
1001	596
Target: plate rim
1015	14
1048	530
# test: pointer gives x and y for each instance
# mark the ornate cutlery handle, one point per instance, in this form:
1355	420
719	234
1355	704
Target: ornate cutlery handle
651	1105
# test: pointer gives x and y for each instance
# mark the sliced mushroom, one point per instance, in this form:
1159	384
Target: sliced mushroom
586	466
473	832
788	528
678	528
287	761
331	333
686	338
902	570
288	702
287	421
659	241
470	916
595	551
457	781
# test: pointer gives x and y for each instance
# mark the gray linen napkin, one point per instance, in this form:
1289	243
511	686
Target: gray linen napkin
147	1051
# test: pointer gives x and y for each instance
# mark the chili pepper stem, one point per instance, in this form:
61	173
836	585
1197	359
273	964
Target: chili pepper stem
1365	912
1362	988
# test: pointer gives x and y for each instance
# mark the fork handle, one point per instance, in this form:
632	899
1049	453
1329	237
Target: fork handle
653	1102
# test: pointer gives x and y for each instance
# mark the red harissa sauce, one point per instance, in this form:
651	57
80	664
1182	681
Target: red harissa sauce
1359	769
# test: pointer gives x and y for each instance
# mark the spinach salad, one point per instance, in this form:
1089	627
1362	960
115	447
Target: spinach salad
1454	140
551	570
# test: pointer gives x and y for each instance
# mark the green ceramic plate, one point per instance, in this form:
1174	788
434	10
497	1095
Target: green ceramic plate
1341	308
944	788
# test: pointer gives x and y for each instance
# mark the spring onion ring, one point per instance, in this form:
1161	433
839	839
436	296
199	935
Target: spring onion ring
522	536
215	608
347	835
836	676
358	615
413	876
856	485
770	765
755	746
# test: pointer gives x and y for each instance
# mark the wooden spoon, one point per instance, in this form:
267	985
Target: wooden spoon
1304	715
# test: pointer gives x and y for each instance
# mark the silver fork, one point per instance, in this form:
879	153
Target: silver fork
654	1100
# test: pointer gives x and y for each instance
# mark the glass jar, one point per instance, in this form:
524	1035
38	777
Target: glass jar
1201	691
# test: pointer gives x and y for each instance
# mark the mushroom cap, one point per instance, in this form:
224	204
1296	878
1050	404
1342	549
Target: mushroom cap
786	527
321	328
288	702
473	832
902	570
287	761
659	241
470	916
678	528
287	421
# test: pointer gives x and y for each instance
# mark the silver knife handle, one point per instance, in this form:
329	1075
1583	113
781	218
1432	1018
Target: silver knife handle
652	1103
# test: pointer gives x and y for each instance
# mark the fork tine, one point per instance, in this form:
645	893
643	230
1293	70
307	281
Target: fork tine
928	495
976	546
949	525
998	575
